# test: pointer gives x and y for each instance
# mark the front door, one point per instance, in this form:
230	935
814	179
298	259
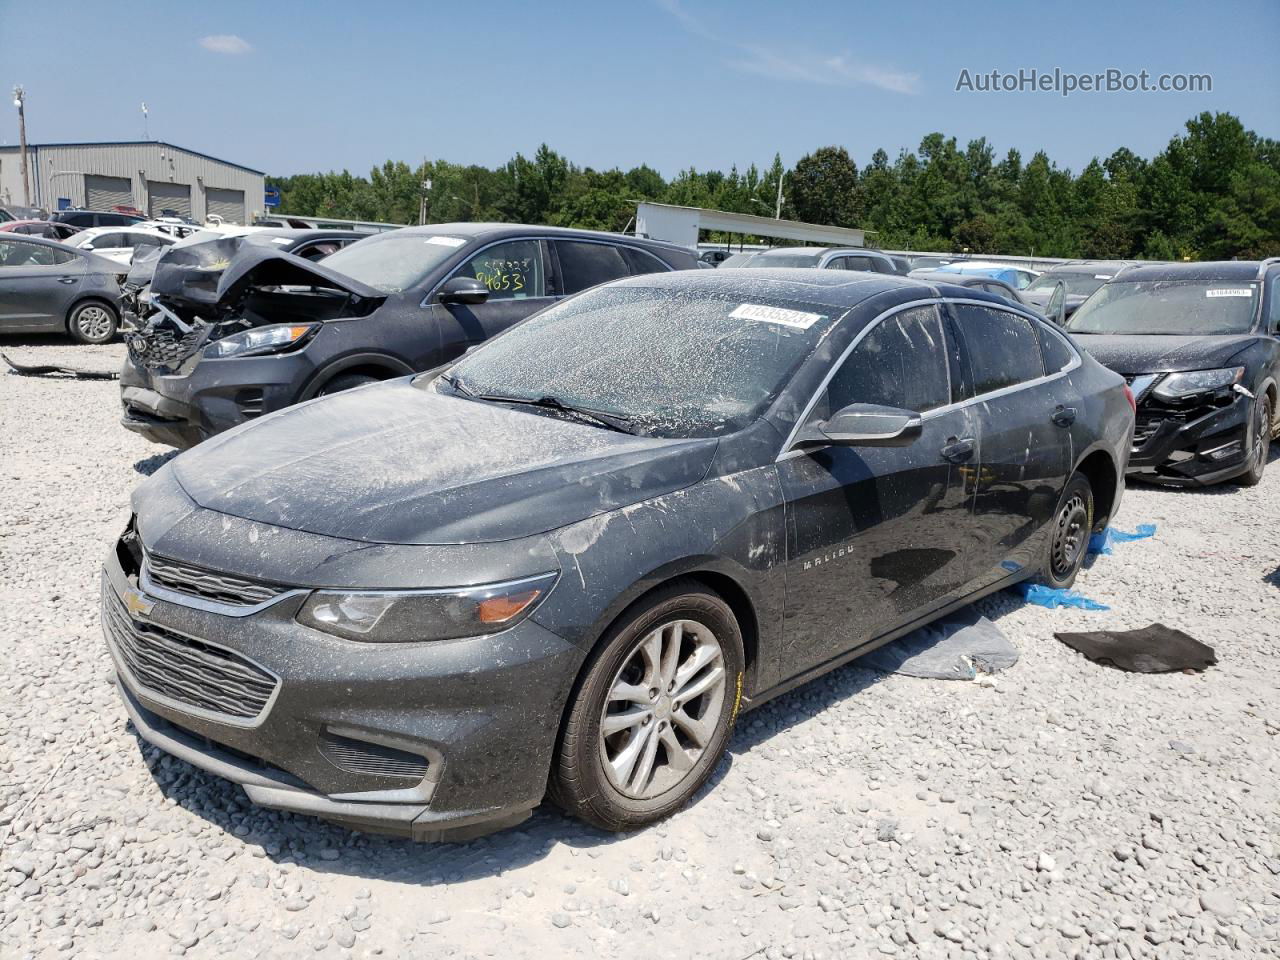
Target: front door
37	283
878	535
515	271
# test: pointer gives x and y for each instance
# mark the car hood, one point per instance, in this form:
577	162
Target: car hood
395	463
1133	355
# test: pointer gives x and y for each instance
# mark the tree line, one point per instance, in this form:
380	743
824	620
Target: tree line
1212	193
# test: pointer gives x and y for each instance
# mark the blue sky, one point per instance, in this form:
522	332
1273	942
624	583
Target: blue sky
292	87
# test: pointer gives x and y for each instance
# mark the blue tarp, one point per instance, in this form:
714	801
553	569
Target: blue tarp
1103	542
1051	597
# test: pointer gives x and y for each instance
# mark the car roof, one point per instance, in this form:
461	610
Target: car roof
1090	266
495	231
954	278
1235	270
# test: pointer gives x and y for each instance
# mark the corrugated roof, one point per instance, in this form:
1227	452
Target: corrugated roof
136	143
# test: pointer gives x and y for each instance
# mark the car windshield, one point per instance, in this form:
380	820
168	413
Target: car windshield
392	263
785	260
738	260
673	363
1172	307
1077	284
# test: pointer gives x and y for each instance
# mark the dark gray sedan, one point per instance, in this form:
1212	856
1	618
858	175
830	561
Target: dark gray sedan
48	287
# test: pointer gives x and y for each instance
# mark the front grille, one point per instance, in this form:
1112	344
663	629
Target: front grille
219	587
357	756
183	669
163	348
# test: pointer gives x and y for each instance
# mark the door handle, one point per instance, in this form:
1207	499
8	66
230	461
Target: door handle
958	450
1064	416
66	279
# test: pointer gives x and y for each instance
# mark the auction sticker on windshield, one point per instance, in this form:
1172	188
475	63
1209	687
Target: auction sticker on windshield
445	241
1229	292
790	318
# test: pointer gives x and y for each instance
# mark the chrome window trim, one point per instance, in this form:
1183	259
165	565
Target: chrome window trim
787	453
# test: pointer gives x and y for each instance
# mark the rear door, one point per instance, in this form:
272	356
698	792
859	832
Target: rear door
37	283
516	273
877	536
1023	420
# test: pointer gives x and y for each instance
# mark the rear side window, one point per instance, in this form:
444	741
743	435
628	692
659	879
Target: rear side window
583	265
901	363
108	241
1003	348
1055	353
641	262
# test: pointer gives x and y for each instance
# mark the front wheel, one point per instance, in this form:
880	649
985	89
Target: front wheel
653	712
1259	442
1069	535
92	323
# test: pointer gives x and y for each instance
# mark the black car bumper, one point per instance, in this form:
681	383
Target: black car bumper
204	397
1192	446
434	741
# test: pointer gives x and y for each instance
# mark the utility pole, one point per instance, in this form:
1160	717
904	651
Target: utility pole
145	134
777	210
19	98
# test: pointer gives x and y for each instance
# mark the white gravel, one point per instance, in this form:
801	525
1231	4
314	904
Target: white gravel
1064	810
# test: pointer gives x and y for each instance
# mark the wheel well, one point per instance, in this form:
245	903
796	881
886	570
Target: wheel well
1100	470
375	370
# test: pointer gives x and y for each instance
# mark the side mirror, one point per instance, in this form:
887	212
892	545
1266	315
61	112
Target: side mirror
464	290
1056	308
864	425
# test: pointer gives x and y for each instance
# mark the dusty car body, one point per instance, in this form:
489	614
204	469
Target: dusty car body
1199	343
298	604
433	292
49	287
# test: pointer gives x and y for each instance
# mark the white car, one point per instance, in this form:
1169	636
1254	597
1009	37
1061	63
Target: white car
119	243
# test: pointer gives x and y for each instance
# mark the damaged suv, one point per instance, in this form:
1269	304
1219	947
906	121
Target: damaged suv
243	328
1199	343
572	558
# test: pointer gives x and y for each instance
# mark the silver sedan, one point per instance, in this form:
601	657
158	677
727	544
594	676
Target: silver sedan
49	287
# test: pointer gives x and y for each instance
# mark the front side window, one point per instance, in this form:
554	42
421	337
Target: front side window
1003	348
584	265
674	363
108	241
1275	305
858	263
901	363
512	270
15	253
1171	307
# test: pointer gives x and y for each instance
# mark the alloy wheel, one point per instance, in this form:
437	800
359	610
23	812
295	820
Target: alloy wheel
94	322
663	709
1262	434
1069	535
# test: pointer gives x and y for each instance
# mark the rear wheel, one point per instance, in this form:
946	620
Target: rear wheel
345	381
92	322
1259	441
1069	535
653	712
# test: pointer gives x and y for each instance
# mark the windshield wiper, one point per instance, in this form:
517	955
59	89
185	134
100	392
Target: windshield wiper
457	385
611	421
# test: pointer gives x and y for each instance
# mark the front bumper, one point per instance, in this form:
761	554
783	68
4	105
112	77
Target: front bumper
204	397
479	715
1193	446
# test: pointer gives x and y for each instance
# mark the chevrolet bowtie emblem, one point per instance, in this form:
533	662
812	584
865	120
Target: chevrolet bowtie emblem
138	605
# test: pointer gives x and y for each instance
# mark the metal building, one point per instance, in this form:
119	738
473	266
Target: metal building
149	175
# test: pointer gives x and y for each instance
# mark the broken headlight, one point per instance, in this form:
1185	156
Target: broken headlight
1176	386
408	616
262	340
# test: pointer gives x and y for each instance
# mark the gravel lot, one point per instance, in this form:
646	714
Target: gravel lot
1063	810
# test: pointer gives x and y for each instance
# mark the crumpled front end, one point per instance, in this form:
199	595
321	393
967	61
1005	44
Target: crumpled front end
1190	442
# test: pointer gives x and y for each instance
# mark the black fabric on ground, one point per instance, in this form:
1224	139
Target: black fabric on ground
1153	649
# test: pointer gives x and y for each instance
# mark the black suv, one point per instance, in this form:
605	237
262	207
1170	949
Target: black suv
1199	344
96	218
1079	278
244	328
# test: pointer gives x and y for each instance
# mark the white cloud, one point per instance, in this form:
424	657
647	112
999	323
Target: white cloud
804	66
227	43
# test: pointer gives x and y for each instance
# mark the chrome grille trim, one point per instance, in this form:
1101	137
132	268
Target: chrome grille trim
209	584
188	674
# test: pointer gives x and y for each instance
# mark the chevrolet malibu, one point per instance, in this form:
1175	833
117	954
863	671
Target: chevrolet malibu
567	563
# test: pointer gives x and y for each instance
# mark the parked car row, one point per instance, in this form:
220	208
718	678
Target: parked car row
607	500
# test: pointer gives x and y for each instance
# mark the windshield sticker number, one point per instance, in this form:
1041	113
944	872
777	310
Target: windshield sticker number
501	275
445	241
788	318
1102	276
281	240
1229	292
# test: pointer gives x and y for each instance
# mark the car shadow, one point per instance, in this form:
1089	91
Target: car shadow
42	340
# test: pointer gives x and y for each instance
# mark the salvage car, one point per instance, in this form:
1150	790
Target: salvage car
1017	277
119	243
244	328
576	555
971	281
1079	279
48	287
1199	343
821	258
48	229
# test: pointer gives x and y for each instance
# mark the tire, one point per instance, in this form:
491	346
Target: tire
93	322
1259	438
345	381
1068	535
593	776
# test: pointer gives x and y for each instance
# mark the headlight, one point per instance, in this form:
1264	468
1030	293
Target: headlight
272	339
1179	385
407	616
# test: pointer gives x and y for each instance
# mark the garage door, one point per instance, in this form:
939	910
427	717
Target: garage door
168	196
227	204
103	193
